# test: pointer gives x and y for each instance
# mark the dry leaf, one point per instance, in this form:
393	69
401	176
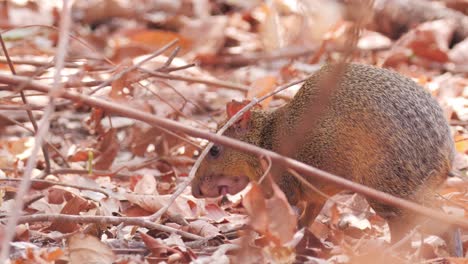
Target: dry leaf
153	203
108	148
272	217
87	249
203	228
146	185
72	207
261	87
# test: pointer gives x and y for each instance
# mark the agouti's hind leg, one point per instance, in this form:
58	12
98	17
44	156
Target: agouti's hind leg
399	223
400	226
309	213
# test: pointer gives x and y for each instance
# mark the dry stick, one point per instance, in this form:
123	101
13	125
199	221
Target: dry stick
52	183
116	220
253	58
170	59
267	170
229	85
28	107
135	66
283	161
25	102
40	134
224	84
173	69
86	172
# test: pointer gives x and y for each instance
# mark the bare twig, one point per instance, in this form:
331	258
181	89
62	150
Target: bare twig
41	131
139	221
267	170
253	58
218	83
173	69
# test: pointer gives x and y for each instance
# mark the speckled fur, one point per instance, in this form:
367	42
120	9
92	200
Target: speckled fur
380	129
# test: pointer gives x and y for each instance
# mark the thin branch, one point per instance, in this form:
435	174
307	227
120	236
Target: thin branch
217	83
41	132
138	221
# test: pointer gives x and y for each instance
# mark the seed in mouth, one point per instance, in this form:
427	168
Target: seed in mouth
223	190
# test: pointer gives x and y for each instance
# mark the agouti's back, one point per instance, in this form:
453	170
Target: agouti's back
379	129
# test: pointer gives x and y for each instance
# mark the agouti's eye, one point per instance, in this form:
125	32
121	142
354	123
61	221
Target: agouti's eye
215	151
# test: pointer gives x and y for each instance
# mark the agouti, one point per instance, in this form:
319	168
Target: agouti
379	129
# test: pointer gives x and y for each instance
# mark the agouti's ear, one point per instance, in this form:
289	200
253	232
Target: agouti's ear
235	106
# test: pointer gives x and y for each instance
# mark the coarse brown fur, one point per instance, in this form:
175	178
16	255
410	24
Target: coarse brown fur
379	129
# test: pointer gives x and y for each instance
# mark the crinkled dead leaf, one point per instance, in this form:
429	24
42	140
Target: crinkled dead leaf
203	228
461	144
214	212
92	11
87	249
457	260
36	255
146	185
160	249
255	205
78	154
272	217
460	5
152	203
131	43
109	206
155	39
213	30
283	219
108	148
459	53
261	87
371	40
429	40
72	207
269	28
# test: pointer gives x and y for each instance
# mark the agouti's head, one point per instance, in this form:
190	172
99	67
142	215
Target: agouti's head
225	170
